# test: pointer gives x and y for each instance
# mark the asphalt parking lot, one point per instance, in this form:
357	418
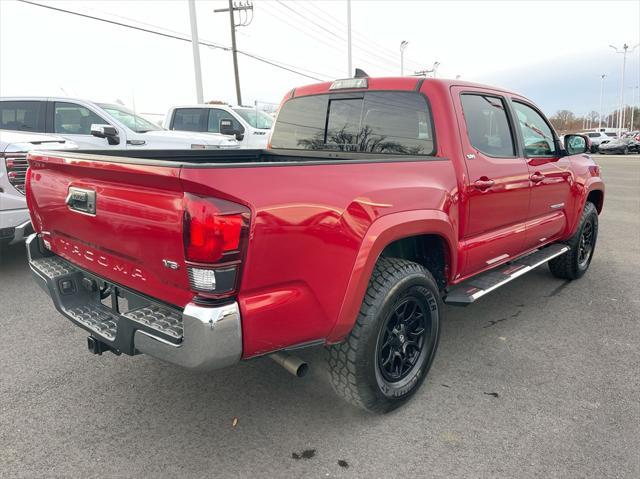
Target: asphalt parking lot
539	379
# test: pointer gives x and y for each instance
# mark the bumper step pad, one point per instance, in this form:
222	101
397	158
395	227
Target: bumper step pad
476	287
162	319
97	320
85	307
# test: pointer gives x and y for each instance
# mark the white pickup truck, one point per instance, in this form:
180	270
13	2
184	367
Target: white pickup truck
250	126
100	125
15	224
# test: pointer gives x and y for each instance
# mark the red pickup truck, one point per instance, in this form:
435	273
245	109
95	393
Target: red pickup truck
378	200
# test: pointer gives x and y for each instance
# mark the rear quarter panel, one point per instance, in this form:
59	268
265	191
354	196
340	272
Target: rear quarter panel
308	226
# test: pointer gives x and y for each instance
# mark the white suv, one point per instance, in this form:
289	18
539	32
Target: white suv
15	224
99	125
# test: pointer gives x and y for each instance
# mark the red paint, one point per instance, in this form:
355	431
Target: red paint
316	231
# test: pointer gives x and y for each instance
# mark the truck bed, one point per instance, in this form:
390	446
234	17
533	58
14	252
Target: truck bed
238	158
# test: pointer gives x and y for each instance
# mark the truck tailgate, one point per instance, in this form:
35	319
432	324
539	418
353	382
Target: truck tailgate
137	223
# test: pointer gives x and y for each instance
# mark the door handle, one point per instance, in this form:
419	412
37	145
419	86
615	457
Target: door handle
537	177
483	184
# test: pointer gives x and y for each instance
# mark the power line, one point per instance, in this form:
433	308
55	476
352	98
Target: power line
174	37
310	21
251	55
382	59
338	23
391	54
308	32
340	38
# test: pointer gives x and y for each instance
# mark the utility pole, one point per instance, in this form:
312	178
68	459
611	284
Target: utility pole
403	45
349	59
433	69
196	50
625	47
239	8
602	77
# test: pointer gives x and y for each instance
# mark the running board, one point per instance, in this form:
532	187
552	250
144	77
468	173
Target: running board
476	287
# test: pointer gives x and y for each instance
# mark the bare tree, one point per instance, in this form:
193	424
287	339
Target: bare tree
563	120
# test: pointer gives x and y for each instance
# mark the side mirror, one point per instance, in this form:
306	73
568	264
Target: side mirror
106	131
226	128
576	144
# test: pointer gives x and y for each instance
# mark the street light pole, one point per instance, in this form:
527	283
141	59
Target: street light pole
350	67
403	45
196	50
633	107
625	47
602	77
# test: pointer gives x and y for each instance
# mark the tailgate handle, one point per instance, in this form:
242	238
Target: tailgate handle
81	200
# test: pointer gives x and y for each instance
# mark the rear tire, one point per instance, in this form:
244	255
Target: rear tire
575	263
387	355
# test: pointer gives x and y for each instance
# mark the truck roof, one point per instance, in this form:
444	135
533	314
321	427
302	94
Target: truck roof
395	83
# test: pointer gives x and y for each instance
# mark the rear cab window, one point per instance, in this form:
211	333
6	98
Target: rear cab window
22	115
369	122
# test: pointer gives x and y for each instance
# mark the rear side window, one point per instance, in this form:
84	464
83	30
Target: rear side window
22	115
593	135
190	119
373	122
488	125
74	119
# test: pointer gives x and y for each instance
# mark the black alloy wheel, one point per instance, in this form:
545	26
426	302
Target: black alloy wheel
401	342
585	245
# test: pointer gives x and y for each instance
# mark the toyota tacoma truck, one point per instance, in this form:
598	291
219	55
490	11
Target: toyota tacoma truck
378	201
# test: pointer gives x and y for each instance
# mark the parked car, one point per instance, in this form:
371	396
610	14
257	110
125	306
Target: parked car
379	201
15	224
99	125
617	146
634	144
596	138
250	126
610	132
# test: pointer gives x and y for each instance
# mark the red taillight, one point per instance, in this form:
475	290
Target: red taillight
215	234
210	236
213	228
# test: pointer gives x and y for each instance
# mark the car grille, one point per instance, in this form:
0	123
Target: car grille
17	165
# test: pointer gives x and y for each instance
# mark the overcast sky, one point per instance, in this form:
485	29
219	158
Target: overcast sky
553	52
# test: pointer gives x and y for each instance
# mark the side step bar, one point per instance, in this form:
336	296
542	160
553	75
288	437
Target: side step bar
467	292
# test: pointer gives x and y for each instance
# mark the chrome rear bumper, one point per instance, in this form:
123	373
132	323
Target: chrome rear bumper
198	337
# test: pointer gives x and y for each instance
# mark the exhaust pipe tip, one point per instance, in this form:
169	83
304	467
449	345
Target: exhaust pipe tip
291	364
